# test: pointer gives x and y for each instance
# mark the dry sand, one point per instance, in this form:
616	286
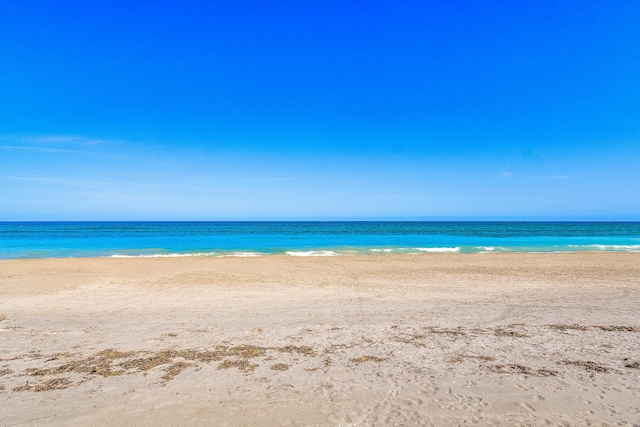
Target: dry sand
486	339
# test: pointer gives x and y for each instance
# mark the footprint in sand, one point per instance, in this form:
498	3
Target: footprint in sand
411	402
526	406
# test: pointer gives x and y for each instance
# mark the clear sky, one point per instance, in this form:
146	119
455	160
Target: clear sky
205	110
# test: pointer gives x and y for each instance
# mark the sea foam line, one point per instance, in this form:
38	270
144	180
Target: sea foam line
439	250
312	253
171	255
240	254
196	254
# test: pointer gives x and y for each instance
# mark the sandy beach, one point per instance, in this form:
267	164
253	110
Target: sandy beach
435	339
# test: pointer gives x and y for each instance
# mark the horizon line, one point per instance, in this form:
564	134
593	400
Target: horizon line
384	219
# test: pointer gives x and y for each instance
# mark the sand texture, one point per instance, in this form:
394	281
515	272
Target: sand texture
437	339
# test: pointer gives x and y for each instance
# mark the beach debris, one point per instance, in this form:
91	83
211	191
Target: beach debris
146	363
573	327
455	332
605	328
280	367
500	332
412	339
53	384
99	364
247	351
481	357
3	317
588	365
113	362
614	328
457	358
112	354
405	340
243	352
368	359
174	369
307	351
242	364
515	368
62	369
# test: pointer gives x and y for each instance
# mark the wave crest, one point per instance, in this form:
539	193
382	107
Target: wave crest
312	253
439	250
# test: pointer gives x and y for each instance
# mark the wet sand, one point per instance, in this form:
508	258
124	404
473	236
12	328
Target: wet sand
434	339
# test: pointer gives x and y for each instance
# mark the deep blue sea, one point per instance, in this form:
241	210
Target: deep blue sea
124	239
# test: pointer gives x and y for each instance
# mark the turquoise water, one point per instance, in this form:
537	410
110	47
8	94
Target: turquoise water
105	239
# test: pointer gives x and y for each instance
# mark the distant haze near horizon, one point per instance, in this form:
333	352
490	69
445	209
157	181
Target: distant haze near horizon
542	219
320	111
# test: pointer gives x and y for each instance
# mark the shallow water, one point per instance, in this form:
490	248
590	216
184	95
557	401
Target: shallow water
100	239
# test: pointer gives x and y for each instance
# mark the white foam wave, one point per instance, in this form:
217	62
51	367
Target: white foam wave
173	255
385	250
312	253
197	254
442	250
240	254
489	249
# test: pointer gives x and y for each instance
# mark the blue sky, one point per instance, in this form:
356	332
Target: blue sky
319	110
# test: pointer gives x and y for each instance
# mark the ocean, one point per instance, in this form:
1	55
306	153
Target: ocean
333	238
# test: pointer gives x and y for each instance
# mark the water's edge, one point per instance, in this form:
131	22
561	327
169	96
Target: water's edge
19	240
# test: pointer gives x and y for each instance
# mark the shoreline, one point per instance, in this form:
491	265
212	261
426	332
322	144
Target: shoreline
321	253
369	340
